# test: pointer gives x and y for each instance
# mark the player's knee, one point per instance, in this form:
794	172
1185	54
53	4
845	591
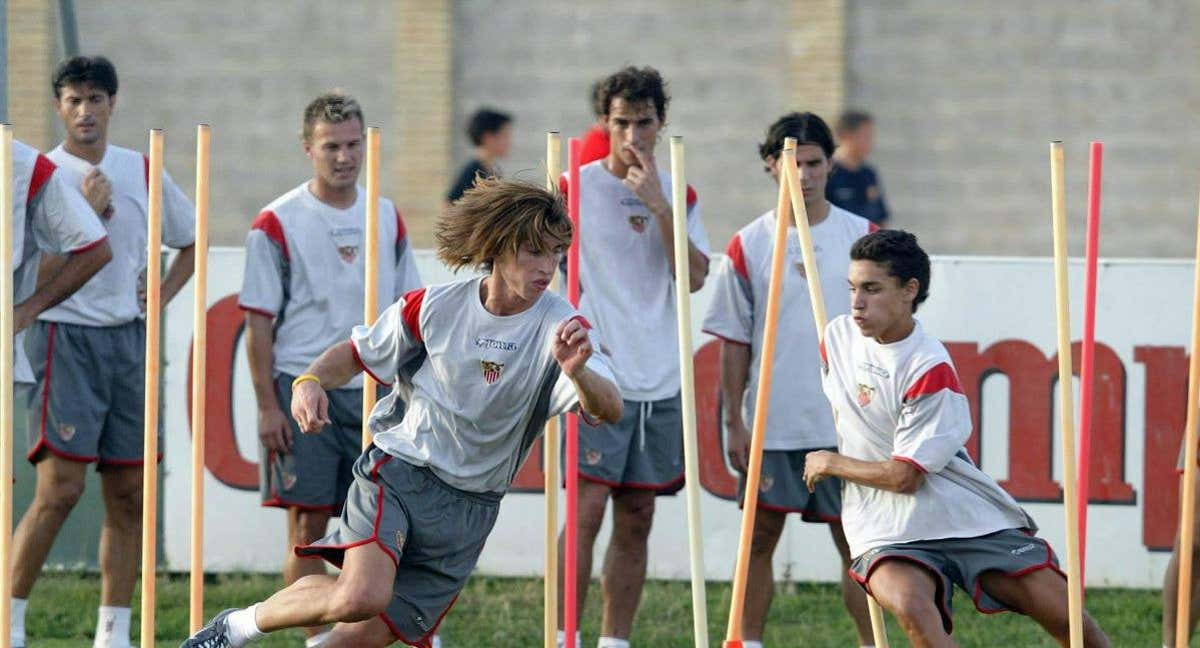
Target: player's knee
351	602
310	527
911	609
59	497
634	519
766	536
126	505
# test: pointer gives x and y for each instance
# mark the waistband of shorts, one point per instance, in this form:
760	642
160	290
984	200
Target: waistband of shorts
137	323
487	498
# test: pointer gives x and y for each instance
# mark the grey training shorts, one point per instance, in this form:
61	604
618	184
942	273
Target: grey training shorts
782	488
961	561
644	450
433	532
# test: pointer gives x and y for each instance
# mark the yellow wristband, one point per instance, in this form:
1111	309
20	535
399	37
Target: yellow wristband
305	378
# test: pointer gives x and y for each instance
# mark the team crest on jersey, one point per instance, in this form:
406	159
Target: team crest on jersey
592	457
865	393
66	432
638	223
348	253
491	370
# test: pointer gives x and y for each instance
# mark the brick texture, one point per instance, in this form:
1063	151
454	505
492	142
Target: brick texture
30	51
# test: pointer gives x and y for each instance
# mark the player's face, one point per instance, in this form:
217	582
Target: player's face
336	151
632	125
499	142
879	303
528	273
84	110
814	169
863	139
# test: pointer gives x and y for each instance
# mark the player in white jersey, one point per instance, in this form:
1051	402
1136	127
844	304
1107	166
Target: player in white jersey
88	352
627	278
303	292
798	420
920	517
482	364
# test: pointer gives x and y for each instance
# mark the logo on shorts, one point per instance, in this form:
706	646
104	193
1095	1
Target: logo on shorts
765	483
638	223
400	540
592	457
865	393
1025	548
66	432
348	253
491	371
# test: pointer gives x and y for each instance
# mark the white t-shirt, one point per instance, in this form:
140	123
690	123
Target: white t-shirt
903	401
632	300
305	267
479	387
48	216
798	415
110	297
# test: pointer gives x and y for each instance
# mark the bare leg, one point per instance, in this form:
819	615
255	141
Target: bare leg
59	487
593	498
760	577
121	535
304	527
1171	586
372	633
909	592
853	596
625	561
363	590
1042	595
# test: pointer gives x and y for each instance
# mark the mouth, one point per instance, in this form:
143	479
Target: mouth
541	284
860	320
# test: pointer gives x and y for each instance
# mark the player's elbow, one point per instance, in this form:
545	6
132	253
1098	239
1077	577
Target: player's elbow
906	478
95	258
698	275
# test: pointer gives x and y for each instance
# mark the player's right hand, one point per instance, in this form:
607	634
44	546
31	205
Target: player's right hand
310	407
98	192
273	429
738	448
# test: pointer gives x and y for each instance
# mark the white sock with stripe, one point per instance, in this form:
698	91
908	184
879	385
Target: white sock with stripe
112	627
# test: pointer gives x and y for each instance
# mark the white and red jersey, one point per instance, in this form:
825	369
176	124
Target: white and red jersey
478	387
903	401
48	216
628	286
798	415
110	297
305	267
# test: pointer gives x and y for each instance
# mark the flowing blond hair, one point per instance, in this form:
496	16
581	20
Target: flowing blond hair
496	217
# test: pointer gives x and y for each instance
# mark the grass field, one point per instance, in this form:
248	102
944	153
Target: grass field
506	612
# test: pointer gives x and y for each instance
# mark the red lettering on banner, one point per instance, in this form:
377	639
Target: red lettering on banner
1166	413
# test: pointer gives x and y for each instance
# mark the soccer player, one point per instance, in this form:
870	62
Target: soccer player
627	277
303	292
595	141
919	516
89	351
491	135
854	185
798	418
482	363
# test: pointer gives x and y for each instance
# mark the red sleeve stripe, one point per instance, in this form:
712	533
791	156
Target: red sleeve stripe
595	145
256	311
824	356
43	168
87	246
935	380
583	321
401	230
146	170
724	339
738	256
411	312
268	223
913	462
691	197
362	365
872	227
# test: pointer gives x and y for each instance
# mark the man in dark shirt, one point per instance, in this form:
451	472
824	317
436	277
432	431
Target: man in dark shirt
853	184
491	132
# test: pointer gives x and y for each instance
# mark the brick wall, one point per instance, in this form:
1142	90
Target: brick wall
30	61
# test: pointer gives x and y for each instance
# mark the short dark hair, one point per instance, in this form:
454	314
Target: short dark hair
806	127
484	122
899	252
634	85
852	120
90	70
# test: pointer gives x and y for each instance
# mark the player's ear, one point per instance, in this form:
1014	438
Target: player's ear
911	288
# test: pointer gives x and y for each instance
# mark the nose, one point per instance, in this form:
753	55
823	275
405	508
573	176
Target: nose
858	302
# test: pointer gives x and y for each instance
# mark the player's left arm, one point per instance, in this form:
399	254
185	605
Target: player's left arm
598	396
179	232
644	183
893	475
178	274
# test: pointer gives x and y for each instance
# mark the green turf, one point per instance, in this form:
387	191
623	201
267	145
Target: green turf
503	612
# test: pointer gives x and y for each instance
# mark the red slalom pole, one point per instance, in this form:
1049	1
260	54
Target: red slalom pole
571	449
1087	363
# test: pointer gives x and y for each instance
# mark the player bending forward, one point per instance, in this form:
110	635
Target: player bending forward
920	517
482	364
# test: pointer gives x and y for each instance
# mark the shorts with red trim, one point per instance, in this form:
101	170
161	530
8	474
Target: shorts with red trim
781	488
433	532
317	469
88	403
961	561
644	450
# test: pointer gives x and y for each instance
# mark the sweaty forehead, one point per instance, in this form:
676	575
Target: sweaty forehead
866	271
632	111
343	131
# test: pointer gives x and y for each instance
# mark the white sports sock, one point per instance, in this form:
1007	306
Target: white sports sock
562	639
315	640
435	641
612	642
112	627
751	644
242	627
17	630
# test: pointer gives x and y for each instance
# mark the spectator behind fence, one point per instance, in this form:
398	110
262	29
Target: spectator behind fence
854	185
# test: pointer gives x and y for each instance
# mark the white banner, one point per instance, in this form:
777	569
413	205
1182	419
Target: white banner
997	318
